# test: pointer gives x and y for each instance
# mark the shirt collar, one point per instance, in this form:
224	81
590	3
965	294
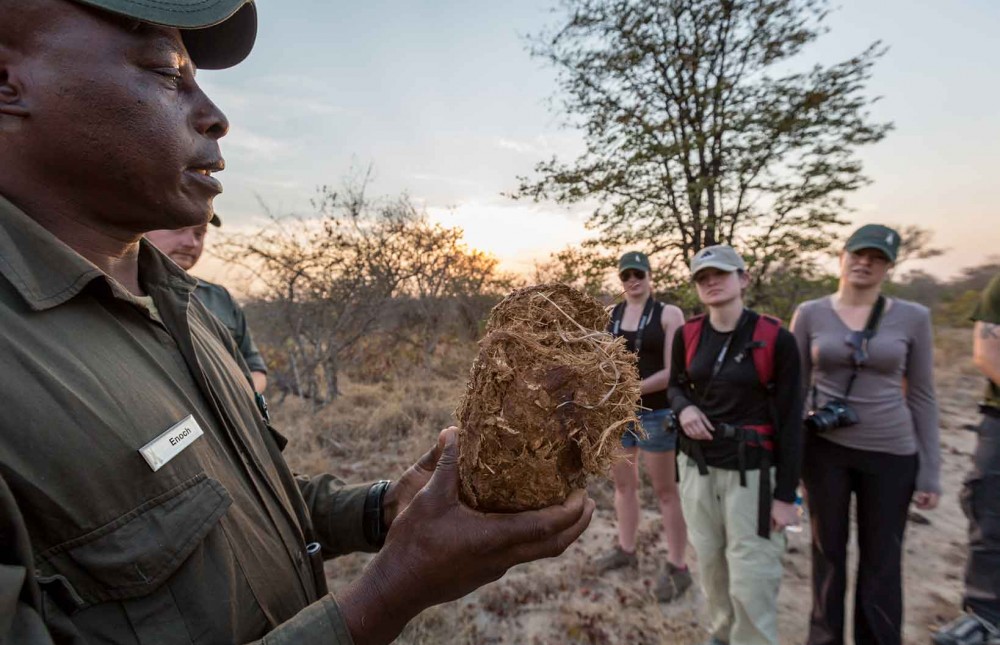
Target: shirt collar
47	272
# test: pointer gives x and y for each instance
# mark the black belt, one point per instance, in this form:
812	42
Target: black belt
990	411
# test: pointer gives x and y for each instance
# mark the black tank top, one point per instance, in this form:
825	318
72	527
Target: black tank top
651	356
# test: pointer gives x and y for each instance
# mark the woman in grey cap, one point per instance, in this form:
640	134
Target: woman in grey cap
734	386
648	327
872	434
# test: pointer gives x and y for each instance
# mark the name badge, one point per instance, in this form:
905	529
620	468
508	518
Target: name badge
168	445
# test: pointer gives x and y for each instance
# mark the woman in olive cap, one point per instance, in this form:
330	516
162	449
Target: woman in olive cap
648	327
872	434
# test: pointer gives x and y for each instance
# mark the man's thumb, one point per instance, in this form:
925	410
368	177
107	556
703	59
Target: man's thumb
445	477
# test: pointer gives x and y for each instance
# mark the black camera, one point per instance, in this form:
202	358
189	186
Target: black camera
833	415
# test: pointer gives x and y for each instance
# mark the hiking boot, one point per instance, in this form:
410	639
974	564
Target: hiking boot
967	629
672	583
616	559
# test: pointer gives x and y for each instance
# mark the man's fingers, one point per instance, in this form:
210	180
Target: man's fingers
540	525
445	477
555	544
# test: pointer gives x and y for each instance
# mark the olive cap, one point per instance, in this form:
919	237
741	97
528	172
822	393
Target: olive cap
634	260
217	33
875	236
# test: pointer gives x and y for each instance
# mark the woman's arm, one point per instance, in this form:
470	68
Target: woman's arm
800	329
788	408
922	402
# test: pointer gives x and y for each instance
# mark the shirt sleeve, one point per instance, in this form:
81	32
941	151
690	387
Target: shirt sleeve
337	512
676	392
788	409
921	400
800	330
321	623
988	308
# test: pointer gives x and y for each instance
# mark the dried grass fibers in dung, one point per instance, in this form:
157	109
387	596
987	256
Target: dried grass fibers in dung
549	396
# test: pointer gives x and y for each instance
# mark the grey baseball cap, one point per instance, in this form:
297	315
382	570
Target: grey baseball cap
875	236
720	256
217	33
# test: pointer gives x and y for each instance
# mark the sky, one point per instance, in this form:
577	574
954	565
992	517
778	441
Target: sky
442	99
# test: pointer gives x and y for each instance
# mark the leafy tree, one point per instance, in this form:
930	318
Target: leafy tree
698	130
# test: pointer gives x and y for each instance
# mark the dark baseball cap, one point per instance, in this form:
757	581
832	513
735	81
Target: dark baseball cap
217	33
875	236
634	260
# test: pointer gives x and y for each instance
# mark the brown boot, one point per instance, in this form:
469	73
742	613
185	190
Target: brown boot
672	583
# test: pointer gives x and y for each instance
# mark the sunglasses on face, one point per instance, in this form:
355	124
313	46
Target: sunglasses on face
628	274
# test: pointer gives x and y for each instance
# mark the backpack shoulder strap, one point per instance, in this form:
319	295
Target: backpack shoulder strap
692	336
765	340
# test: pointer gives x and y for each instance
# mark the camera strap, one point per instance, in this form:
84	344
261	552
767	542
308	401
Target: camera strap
647	315
871	327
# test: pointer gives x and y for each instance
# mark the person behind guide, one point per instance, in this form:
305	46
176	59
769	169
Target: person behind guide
648	327
143	496
886	456
741	441
184	246
981	491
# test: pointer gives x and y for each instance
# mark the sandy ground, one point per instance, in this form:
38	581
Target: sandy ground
557	601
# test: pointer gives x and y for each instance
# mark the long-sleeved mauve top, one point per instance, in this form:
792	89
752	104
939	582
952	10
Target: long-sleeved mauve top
894	391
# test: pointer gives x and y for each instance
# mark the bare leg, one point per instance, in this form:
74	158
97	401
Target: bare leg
626	475
661	468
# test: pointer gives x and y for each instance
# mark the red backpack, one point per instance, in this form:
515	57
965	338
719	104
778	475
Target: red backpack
762	349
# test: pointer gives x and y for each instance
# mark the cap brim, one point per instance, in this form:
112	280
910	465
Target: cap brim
633	265
217	33
882	248
215	221
715	264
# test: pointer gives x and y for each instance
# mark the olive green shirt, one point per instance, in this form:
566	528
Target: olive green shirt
220	302
988	311
94	545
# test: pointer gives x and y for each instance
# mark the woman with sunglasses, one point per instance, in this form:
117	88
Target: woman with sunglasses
872	434
734	386
648	327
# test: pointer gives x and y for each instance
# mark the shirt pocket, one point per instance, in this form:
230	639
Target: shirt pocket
130	559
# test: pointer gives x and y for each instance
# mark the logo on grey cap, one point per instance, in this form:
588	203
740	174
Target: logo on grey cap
890	238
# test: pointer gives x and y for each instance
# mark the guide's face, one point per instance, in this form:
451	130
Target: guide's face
864	268
117	121
717	287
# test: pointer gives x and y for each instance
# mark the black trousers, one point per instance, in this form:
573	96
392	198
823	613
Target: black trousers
883	485
981	503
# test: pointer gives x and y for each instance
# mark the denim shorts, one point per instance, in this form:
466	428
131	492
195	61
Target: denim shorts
659	437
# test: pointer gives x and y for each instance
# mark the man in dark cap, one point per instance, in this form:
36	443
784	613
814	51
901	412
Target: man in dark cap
184	246
143	496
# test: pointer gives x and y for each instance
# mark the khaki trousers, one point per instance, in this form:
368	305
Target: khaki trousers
740	571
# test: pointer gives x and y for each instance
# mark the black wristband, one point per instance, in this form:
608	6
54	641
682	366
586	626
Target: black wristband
373	519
